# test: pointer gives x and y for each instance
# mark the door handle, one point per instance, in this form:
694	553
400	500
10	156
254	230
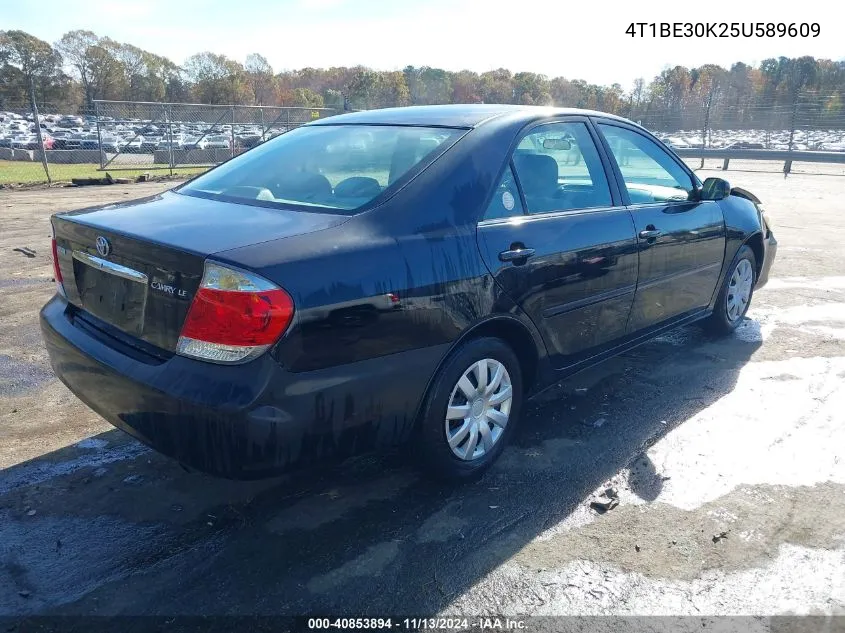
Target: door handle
516	254
650	234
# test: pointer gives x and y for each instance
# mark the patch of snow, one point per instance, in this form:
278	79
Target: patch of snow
813	283
818	318
588	588
777	426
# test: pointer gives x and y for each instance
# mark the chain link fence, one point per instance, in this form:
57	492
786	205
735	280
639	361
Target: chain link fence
28	137
175	136
812	122
127	139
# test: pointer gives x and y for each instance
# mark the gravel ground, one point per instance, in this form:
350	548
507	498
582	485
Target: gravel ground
726	455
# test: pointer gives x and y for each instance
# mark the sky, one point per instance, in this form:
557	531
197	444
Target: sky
576	40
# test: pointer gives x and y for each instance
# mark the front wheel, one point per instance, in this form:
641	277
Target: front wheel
735	295
471	410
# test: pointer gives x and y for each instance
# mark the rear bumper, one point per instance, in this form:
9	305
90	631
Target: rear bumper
770	249
243	421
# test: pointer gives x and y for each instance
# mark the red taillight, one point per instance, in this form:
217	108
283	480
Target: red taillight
238	318
57	270
234	316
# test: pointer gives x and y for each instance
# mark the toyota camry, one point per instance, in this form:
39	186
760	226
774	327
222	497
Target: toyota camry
405	275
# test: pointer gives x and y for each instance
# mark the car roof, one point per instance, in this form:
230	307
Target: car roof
454	115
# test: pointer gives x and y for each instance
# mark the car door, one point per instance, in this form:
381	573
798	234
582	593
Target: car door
681	239
559	243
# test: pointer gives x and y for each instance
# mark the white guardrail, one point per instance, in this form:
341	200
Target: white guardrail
788	157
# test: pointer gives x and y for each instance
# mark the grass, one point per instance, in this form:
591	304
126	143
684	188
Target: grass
20	172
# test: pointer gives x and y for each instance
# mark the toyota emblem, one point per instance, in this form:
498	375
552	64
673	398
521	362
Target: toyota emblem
103	246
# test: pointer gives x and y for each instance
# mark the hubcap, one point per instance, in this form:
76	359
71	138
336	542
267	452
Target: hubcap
739	290
479	408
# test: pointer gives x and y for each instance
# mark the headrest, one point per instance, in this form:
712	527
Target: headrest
357	187
537	173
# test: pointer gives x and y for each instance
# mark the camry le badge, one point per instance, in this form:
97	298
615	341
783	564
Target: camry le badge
103	246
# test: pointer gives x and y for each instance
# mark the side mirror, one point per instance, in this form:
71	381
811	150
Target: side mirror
715	189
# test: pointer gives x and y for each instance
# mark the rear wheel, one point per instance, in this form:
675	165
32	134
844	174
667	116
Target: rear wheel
471	410
735	295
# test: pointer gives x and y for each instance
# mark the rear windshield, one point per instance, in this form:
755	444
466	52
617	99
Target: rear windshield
338	167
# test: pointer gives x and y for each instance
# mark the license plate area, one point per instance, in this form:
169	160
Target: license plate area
111	292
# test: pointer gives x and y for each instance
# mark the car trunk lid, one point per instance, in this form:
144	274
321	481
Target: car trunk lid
136	266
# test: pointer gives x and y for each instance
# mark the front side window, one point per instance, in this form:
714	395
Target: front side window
339	167
559	168
650	174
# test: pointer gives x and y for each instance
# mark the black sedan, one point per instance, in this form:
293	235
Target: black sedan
392	275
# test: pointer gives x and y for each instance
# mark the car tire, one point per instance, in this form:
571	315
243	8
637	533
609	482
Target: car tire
735	294
495	406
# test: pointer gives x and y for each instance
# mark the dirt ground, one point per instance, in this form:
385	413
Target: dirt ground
727	456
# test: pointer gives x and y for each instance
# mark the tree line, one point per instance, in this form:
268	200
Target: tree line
82	67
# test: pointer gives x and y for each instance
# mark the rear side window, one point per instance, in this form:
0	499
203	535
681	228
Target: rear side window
505	202
338	167
559	168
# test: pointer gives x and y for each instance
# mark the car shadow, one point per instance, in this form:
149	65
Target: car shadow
118	529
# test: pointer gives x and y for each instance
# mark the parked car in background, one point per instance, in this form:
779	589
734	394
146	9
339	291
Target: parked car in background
248	141
175	142
832	147
289	306
677	142
745	145
134	146
150	143
218	142
65	140
19	127
71	121
112	144
90	141
30	141
194	142
20	141
77	140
